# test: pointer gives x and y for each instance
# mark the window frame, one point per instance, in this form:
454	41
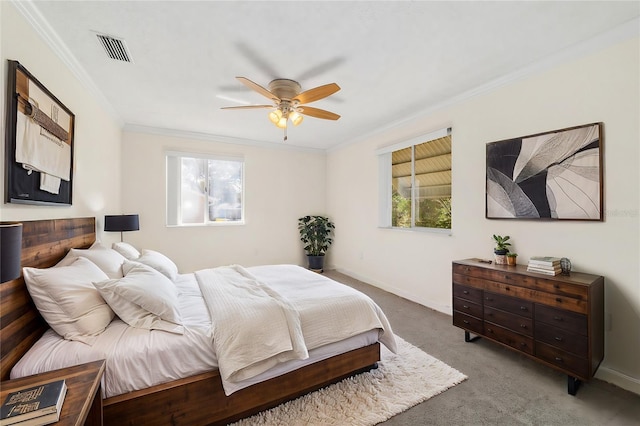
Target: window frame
173	190
385	176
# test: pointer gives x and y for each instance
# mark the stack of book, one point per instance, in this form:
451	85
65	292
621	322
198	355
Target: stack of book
34	406
545	265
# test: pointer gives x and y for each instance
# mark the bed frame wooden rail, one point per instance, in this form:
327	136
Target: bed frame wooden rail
197	400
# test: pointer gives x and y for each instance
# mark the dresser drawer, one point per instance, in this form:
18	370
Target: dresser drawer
467	307
576	365
509	304
467	322
508	320
570	321
563	339
469	293
508	337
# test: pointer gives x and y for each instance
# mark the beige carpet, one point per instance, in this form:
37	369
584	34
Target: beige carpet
402	380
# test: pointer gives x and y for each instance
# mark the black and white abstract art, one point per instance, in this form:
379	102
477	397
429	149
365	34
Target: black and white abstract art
552	175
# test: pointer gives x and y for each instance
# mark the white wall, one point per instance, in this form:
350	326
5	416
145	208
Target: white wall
600	87
281	185
96	177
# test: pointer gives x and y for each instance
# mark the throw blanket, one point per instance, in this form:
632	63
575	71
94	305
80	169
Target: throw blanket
254	328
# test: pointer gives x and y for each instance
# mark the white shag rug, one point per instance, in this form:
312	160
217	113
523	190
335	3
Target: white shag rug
401	381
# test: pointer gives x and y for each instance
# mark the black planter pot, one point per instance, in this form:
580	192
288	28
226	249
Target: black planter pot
316	263
500	256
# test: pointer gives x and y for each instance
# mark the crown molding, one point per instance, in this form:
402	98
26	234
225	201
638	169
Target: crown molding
60	49
625	31
208	137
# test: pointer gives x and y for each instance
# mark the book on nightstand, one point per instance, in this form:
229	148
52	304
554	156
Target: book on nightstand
34	406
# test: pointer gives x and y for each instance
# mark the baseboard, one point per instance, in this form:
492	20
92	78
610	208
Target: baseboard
619	379
445	309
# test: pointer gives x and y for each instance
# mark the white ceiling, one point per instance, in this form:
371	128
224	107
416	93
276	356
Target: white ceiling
392	59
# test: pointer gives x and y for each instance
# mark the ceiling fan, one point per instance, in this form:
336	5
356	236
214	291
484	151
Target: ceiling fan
288	101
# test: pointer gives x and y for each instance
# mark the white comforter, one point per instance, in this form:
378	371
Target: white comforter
137	359
255	327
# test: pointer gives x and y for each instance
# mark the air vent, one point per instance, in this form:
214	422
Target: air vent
115	48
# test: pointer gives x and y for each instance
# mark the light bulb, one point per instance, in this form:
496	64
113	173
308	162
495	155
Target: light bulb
282	123
275	116
296	118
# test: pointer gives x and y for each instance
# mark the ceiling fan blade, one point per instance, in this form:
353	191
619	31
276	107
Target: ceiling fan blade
255	86
248	107
317	93
318	113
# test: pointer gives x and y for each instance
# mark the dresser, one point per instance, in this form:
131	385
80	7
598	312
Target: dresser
555	320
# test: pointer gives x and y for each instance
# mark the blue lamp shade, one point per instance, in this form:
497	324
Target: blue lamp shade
10	251
120	223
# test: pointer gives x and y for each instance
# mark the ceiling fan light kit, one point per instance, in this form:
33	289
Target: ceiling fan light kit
287	101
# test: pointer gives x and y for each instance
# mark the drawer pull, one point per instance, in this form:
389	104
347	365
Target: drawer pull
490	299
523	325
465	321
523	308
557	318
558	359
523	344
489	330
559	339
465	306
465	291
507	277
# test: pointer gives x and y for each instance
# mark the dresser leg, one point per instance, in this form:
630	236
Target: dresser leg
572	385
468	338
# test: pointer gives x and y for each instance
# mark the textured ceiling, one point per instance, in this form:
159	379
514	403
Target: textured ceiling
391	59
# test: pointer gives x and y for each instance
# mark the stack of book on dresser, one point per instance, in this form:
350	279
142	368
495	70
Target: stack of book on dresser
545	265
34	406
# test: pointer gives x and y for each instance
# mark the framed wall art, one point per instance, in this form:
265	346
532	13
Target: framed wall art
551	175
39	143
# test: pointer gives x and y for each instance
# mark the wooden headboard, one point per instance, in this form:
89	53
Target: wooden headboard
44	243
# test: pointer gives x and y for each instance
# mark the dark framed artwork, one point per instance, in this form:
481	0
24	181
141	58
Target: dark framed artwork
38	144
551	175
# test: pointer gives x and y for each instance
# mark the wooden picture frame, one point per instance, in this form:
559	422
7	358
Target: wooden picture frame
38	142
555	175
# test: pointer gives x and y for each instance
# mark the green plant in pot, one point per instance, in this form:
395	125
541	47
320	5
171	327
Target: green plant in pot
315	234
501	249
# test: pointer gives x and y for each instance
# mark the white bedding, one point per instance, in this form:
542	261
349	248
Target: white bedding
167	356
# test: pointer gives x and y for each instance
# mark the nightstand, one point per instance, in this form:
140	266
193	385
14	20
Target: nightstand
83	403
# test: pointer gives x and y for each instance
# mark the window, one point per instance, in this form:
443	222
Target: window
204	189
415	183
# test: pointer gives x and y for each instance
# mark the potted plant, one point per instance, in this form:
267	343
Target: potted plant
315	233
501	249
511	258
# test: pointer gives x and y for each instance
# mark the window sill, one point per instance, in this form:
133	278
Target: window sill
420	230
201	225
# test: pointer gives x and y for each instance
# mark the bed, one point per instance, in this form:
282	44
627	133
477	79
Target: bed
192	400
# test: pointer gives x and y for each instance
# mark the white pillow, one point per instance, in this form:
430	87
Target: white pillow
68	301
109	260
159	262
144	298
127	250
